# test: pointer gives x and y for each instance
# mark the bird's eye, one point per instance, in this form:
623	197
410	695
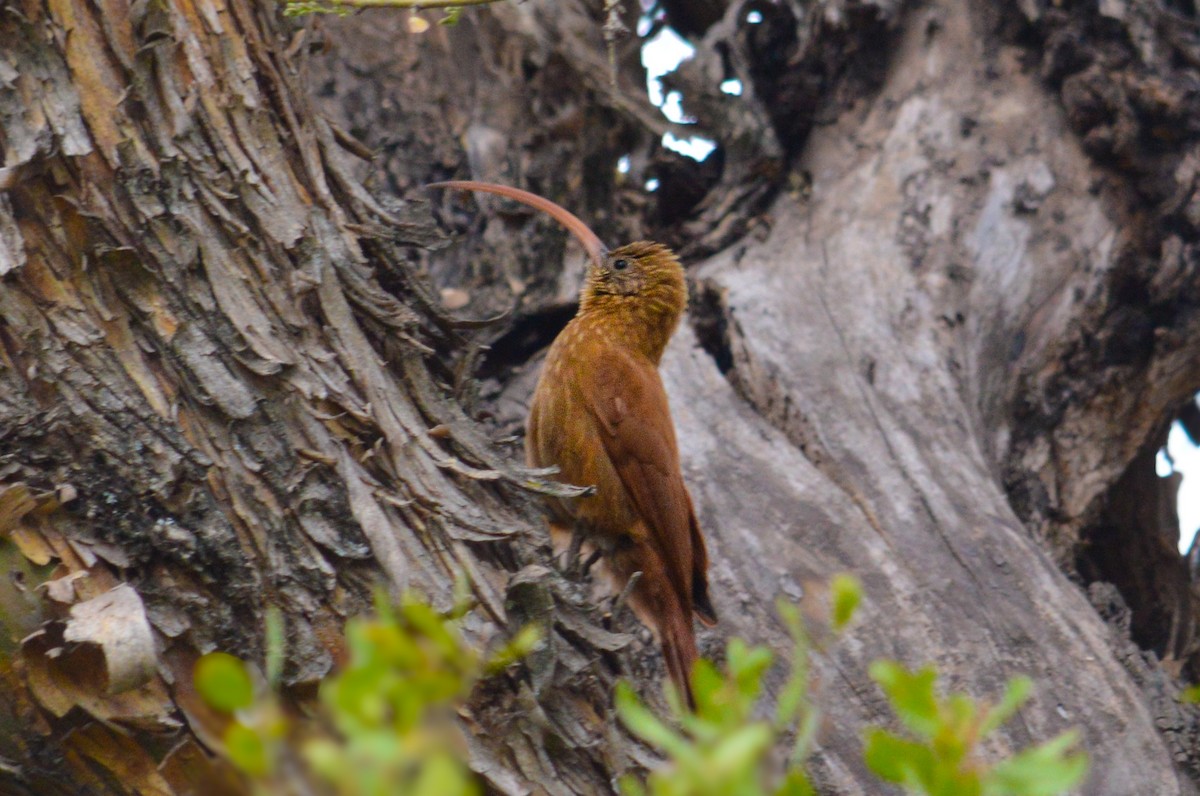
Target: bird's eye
620	265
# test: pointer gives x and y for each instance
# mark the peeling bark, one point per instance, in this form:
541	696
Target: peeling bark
937	355
207	395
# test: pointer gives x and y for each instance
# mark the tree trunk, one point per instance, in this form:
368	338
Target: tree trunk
945	285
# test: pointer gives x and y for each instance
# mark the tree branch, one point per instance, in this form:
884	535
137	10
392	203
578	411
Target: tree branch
299	7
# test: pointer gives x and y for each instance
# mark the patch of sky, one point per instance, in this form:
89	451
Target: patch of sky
661	54
696	148
1181	456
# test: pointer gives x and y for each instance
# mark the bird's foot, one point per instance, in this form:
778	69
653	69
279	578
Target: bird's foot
575	566
589	561
571	564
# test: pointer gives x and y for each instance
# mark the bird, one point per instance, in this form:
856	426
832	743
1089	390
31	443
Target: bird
600	415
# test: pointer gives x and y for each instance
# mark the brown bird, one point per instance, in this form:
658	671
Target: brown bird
600	415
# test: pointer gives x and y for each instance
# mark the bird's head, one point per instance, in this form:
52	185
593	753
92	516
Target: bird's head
643	269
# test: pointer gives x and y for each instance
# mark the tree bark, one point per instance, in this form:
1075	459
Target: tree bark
944	291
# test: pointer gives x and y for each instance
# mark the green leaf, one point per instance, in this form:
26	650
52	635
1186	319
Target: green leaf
675	699
747	665
794	697
911	695
741	749
276	645
957	717
223	682
247	750
464	598
630	785
951	781
895	759
790	615
433	627
1190	695
519	646
791	701
796	784
708	688
644	724
847	594
806	734
1045	770
1019	689
325	756
442	775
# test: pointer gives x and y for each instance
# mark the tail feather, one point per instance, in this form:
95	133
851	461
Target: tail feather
679	652
657	603
701	603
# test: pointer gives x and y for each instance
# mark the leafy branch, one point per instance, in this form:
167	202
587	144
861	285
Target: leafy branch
382	725
937	755
723	747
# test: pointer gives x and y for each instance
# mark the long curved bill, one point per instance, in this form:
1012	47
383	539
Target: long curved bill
591	242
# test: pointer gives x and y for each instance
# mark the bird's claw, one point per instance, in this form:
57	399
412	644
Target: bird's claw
623	597
571	564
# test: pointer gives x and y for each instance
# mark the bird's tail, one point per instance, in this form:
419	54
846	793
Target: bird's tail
701	602
679	651
658	605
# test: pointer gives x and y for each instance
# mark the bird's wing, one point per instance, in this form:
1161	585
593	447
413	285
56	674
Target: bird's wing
626	396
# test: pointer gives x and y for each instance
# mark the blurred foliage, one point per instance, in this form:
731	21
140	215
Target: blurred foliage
384	722
847	595
726	746
224	682
938	755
